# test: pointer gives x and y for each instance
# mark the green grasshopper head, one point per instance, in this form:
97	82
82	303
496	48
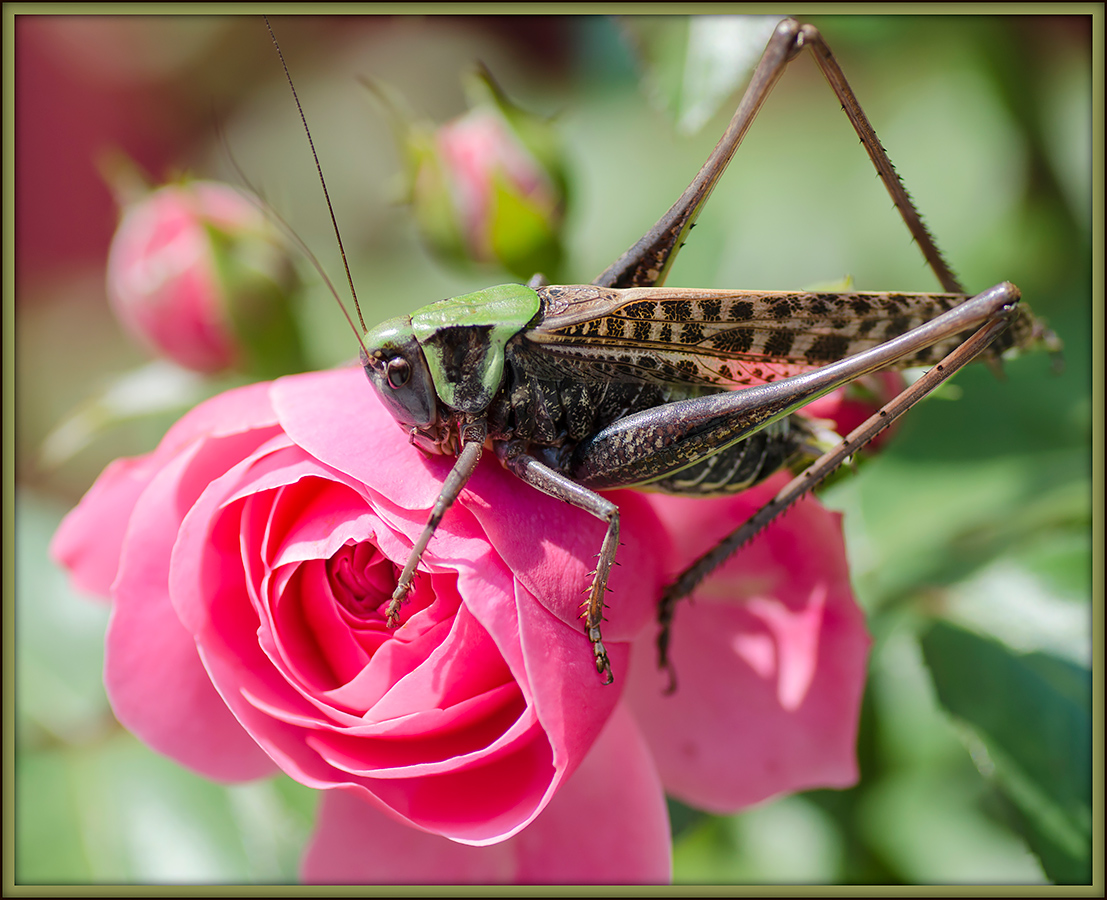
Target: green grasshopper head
446	359
396	367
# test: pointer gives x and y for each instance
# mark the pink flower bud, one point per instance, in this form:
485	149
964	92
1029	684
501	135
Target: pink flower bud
486	187
197	273
505	203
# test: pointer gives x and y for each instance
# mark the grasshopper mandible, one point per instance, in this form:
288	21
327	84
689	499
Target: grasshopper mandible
624	383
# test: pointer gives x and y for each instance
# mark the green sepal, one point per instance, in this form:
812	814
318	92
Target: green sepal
522	234
536	133
258	284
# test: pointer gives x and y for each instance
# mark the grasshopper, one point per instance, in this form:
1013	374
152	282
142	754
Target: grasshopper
625	383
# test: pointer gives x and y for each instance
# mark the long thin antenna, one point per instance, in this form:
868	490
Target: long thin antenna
322	180
258	199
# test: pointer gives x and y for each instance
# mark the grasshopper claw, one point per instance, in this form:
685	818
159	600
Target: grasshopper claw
392	614
603	664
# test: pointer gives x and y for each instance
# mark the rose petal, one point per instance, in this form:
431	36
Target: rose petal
89	540
608	825
770	657
154	678
544	541
336	417
548	543
464	800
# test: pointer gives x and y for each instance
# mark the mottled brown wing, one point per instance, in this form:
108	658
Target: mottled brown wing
723	338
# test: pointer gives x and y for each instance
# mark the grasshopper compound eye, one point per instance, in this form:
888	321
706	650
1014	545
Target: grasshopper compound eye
398	372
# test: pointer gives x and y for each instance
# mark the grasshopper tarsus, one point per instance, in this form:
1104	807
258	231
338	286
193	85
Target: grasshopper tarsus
515	458
599	652
399	596
603	667
664	664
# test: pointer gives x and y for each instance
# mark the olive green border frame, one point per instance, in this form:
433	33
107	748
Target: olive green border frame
7	622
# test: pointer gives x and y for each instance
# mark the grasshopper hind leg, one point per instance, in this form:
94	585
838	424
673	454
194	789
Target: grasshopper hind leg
1004	298
535	473
791	443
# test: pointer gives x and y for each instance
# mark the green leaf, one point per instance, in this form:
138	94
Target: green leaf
48	849
116	812
154	388
788	840
692	65
59	695
1032	712
927	825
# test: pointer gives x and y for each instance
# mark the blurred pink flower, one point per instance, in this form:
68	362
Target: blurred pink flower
488	186
249	559
197	273
484	162
848	407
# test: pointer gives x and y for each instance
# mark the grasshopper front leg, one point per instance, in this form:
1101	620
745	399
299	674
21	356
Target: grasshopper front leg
473	437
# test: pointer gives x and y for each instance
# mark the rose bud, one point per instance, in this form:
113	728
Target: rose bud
197	273
486	187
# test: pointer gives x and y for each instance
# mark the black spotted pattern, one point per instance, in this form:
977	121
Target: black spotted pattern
691	333
676	310
736	340
779	343
711	310
640	309
741	311
827	348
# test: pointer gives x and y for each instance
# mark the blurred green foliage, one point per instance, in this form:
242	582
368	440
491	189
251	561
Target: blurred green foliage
969	537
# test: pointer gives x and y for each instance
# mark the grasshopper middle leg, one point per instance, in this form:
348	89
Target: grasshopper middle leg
535	473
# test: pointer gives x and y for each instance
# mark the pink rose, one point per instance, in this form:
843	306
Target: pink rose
771	657
249	560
